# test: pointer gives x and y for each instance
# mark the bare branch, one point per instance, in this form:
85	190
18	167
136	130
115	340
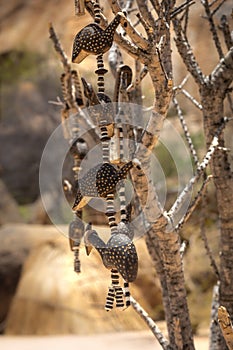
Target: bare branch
158	8
58	48
145	12
186	132
138	79
222	75
134	35
181	8
212	27
204	238
200	169
130	48
194	204
214	327
226	326
224	27
151	324
186	53
192	99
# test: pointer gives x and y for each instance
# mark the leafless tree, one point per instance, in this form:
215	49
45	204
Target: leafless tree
146	34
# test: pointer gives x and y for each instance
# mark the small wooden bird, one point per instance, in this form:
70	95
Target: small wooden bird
94	40
100	181
119	252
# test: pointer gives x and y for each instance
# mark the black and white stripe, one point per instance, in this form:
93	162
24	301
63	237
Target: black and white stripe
105	143
101	71
97	12
110	213
110	299
127	294
77	262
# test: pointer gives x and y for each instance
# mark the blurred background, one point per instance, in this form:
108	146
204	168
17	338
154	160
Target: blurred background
39	292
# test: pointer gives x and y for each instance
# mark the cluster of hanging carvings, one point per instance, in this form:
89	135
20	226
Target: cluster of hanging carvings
119	253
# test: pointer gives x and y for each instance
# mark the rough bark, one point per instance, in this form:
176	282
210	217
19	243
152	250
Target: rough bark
223	180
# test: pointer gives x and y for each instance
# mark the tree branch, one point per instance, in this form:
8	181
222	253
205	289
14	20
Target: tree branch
224	27
226	326
145	12
151	324
186	53
213	30
194	204
177	206
222	75
134	35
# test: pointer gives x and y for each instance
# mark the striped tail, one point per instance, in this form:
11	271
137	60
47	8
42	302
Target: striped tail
127	294
119	294
110	299
77	262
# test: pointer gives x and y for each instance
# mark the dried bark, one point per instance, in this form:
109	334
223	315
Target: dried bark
213	90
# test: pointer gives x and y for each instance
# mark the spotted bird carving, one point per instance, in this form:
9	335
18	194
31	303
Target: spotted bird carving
120	256
100	181
94	40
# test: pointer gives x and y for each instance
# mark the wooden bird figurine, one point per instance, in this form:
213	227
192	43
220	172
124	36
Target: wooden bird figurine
94	40
100	181
119	252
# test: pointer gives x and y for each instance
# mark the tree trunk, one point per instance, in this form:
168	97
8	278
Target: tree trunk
164	248
212	103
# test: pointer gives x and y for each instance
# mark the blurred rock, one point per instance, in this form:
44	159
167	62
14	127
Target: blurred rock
52	299
17	240
26	126
9	211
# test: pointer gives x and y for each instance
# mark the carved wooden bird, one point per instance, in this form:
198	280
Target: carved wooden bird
94	40
118	253
100	181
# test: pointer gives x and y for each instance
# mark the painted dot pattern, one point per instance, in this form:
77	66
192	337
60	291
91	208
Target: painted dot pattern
99	181
94	40
119	253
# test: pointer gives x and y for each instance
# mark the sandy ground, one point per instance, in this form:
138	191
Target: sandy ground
114	341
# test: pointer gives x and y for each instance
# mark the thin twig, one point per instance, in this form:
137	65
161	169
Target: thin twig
186	53
145	12
138	79
212	28
181	8
134	35
192	99
179	89
58	48
194	204
204	237
151	324
214	327
186	132
225	28
200	169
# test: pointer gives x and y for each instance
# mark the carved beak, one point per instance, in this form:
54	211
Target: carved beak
88	249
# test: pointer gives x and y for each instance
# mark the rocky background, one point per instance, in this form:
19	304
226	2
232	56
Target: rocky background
38	286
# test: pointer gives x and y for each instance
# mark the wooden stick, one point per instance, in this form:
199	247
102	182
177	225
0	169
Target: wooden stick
226	326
